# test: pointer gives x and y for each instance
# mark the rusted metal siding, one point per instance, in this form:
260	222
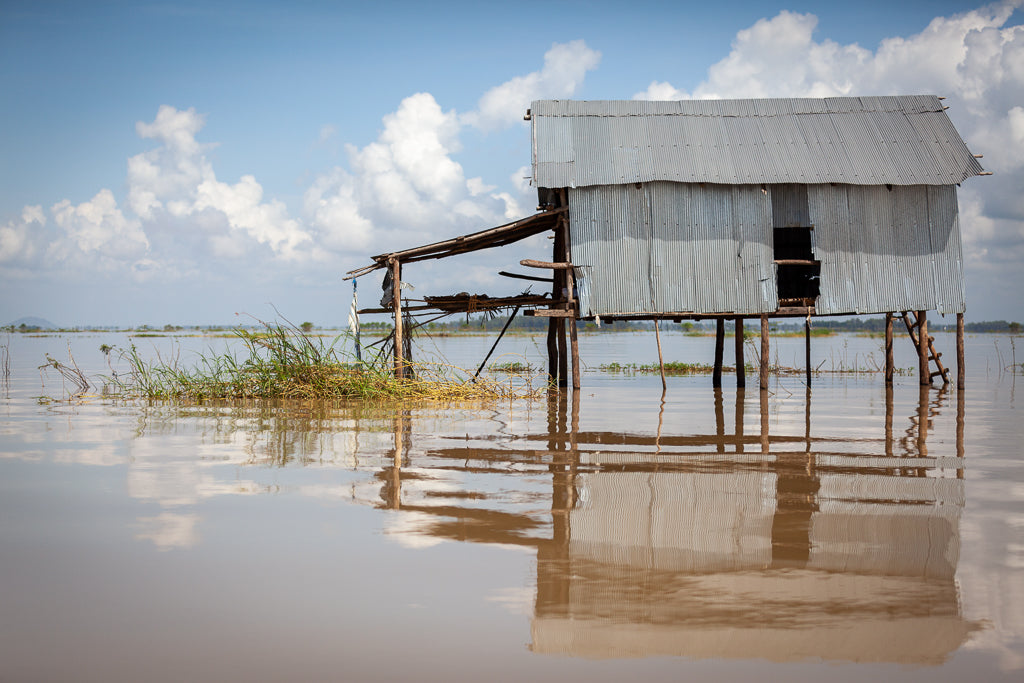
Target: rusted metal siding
672	248
900	140
887	249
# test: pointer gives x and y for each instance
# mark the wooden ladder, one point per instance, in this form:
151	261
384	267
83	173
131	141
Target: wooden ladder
933	355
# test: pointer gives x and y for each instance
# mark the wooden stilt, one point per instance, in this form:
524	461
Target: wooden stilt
922	348
716	376
890	367
552	346
661	360
807	344
960	370
764	353
573	342
396	295
741	373
563	356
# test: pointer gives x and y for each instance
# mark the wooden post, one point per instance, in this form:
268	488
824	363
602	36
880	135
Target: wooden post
764	353
560	294
661	360
741	371
716	376
570	283
889	365
574	346
563	356
960	370
552	350
396	296
807	343
922	348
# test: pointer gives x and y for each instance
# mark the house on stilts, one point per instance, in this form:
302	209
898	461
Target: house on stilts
735	209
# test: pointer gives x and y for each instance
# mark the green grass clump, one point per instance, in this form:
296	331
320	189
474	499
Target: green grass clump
512	367
281	361
671	368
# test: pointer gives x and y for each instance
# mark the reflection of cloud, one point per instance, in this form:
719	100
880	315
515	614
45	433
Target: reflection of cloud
411	529
515	599
169	530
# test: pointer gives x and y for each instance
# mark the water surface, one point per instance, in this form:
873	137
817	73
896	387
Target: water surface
839	532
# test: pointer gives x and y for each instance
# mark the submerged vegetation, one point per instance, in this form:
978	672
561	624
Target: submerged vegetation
282	361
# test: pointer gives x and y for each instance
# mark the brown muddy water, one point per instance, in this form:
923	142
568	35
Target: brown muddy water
835	533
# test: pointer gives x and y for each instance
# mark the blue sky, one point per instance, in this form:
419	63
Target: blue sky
180	162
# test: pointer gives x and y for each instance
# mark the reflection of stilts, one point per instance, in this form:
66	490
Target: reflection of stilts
740	399
888	418
764	421
401	425
960	400
719	421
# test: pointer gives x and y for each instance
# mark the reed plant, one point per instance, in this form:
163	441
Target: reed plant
282	361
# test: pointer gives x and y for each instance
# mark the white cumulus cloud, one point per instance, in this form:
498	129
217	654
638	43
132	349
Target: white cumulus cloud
565	66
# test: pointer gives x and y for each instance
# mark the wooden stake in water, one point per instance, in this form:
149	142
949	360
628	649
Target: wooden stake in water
716	376
661	361
764	352
741	374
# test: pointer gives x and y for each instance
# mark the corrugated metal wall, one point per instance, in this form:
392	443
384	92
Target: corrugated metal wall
887	249
665	247
672	247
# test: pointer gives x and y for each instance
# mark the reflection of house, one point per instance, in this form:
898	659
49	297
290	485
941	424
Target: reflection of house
772	564
719	545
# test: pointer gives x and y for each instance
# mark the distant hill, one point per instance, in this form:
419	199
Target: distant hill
30	321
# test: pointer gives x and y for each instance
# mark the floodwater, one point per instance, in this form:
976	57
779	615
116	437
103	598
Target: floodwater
835	533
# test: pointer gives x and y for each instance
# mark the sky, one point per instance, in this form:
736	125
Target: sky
189	162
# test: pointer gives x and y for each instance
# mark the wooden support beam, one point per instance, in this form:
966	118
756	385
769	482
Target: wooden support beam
396	295
764	353
922	348
716	376
960	370
520	276
549	313
890	367
807	343
796	262
531	263
741	371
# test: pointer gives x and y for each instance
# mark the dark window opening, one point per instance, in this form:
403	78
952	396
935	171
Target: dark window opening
798	272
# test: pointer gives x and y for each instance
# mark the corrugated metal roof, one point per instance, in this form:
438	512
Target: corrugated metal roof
895	140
